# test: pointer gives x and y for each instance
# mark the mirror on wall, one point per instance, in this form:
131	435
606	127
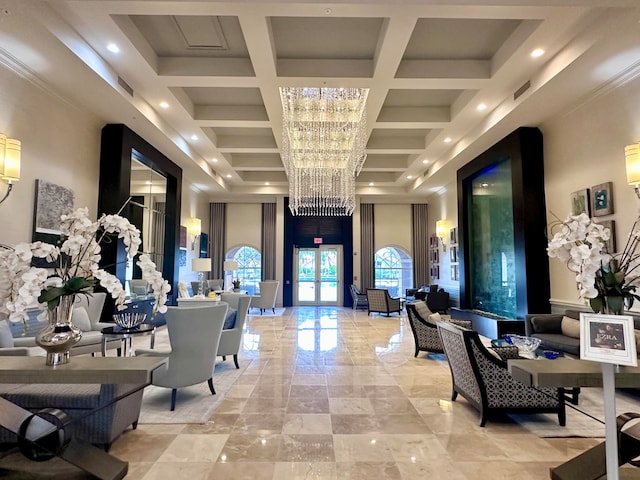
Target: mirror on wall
148	190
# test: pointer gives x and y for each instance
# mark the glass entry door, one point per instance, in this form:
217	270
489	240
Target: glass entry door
318	275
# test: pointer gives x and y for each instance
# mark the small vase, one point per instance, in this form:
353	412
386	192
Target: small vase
60	334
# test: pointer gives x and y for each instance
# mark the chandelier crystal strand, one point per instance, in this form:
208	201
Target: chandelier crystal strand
323	147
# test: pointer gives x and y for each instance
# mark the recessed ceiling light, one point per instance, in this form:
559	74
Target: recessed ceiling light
371	184
485	184
481	107
447	140
266	183
228	175
409	177
149	182
194	137
538	52
164	105
425	161
214	160
113	48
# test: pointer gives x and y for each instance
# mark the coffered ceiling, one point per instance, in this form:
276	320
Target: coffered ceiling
447	79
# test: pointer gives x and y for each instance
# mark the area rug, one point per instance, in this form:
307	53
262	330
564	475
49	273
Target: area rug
194	404
254	312
546	425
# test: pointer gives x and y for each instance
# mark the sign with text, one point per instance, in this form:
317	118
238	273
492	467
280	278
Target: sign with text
317	240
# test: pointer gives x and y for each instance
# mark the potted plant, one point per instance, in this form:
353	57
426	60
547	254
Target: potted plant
236	285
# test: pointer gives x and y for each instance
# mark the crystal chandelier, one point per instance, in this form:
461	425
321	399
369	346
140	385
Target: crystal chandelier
323	147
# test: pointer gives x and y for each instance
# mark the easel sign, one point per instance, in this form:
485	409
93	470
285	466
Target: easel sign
608	339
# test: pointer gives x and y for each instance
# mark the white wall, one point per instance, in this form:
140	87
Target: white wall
444	206
585	147
60	143
392	226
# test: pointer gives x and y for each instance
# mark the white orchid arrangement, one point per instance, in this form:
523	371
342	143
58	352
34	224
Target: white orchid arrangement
76	270
607	281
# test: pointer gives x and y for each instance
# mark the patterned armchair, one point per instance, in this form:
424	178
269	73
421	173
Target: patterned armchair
483	379
359	298
380	301
425	332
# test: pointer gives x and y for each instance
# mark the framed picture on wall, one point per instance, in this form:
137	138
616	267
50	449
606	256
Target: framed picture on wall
611	225
453	254
602	199
183	237
204	245
454	273
580	202
453	236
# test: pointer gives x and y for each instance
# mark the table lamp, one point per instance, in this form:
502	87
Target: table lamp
201	265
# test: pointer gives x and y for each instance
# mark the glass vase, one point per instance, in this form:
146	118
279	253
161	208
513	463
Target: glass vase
60	334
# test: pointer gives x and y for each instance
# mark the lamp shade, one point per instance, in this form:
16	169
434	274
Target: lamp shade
195	226
201	265
230	266
442	227
12	160
632	157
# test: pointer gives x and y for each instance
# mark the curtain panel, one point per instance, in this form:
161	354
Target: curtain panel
420	240
268	242
366	246
217	237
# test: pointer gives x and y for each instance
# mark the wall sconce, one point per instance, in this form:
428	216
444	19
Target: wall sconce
10	151
632	157
201	265
195	229
442	232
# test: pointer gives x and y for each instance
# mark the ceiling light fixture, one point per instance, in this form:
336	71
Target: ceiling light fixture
481	107
425	161
228	175
409	177
164	105
538	52
371	184
113	48
447	140
214	160
323	148
194	137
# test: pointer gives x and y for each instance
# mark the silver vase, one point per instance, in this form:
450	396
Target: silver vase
60	334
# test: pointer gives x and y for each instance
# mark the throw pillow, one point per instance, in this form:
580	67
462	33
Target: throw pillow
80	318
435	317
230	319
422	309
546	324
570	327
6	339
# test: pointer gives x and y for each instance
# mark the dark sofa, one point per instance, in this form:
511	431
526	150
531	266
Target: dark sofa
546	326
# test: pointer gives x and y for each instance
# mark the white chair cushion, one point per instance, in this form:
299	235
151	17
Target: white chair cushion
6	339
80	318
422	309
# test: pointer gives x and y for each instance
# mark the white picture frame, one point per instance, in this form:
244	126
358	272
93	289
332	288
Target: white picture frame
608	339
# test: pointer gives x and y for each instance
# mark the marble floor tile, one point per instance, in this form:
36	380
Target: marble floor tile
307	424
350	406
194	448
173	471
306	448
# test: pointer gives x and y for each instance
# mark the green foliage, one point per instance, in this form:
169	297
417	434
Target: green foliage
614	292
73	286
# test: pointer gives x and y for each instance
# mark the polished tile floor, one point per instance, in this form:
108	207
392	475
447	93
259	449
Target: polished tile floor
329	393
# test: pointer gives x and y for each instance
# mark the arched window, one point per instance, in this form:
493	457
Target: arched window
393	270
249	270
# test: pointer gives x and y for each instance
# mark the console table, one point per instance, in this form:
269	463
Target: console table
91	370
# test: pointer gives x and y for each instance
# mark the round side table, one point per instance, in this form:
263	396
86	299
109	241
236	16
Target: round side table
125	334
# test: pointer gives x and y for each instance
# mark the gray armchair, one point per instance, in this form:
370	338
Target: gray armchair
483	379
381	302
359	298
425	332
194	334
267	297
231	338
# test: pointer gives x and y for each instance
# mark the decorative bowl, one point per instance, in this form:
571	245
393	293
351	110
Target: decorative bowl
129	320
526	345
550	354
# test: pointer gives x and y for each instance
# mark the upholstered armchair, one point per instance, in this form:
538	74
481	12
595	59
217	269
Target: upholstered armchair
483	379
267	297
424	328
231	338
215	284
359	298
194	335
381	302
438	301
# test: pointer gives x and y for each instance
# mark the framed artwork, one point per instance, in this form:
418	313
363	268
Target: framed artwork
453	254
435	272
204	245
602	199
182	257
183	237
433	241
580	202
453	235
51	201
608	339
454	273
435	256
611	225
